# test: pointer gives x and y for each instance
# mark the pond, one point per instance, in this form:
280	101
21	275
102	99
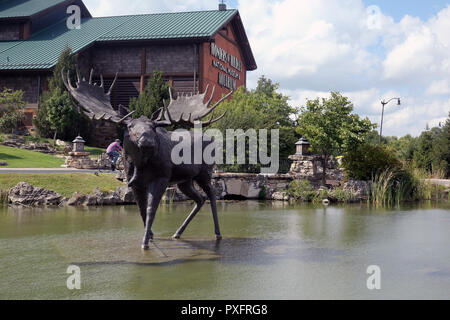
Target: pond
269	251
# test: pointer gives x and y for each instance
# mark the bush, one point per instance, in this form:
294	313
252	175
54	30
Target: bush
11	110
302	190
366	161
340	195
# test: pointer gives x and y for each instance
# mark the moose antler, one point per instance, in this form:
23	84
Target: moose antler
187	110
93	99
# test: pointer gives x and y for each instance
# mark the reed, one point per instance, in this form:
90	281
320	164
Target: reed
381	188
391	187
3	197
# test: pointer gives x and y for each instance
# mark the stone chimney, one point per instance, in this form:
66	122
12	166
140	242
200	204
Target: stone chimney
222	6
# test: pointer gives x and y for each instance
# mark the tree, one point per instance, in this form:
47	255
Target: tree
67	62
403	147
11	110
260	109
64	122
442	148
60	112
153	96
424	156
433	150
331	128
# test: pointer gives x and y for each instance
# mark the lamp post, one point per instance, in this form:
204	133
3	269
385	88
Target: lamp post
383	102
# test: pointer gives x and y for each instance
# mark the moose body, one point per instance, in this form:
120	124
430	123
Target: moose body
148	149
150	170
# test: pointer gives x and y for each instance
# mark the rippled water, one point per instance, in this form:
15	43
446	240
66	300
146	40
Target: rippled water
269	251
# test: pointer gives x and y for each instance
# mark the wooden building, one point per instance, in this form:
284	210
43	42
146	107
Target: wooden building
192	49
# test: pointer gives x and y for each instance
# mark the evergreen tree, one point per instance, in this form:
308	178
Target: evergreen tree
153	96
66	122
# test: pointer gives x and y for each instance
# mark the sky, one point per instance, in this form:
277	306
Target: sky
368	50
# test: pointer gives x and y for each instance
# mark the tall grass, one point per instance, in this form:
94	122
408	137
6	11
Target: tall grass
382	187
3	198
391	187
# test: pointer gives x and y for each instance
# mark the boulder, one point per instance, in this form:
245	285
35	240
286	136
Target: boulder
60	143
25	194
280	196
106	198
3	163
358	188
125	194
76	200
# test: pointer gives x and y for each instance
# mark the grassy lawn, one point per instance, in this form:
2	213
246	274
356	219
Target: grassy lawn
63	183
94	152
20	158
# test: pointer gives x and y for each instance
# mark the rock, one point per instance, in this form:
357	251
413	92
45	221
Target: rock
120	175
76	200
280	196
357	188
3	163
106	198
125	194
80	160
60	143
91	200
25	194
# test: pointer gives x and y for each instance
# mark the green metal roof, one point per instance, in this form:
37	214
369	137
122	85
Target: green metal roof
24	8
170	25
42	50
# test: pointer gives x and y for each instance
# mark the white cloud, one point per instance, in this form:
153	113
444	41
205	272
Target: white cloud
439	87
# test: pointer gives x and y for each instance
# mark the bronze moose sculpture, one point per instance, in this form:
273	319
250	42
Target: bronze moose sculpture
148	146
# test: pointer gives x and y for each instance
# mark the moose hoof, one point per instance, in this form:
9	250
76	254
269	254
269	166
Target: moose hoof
218	237
176	236
145	247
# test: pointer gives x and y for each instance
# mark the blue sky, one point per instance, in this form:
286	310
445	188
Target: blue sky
312	47
417	8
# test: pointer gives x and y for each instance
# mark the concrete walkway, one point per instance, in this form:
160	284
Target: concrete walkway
441	182
50	170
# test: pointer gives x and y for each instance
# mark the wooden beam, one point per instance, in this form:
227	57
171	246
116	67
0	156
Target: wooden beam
143	69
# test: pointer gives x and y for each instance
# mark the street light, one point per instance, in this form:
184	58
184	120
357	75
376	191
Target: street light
383	102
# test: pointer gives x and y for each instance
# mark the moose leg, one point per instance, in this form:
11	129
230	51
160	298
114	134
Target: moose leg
141	199
155	193
188	189
211	193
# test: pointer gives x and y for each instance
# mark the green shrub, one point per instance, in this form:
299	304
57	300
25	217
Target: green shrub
11	110
340	195
367	161
301	190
